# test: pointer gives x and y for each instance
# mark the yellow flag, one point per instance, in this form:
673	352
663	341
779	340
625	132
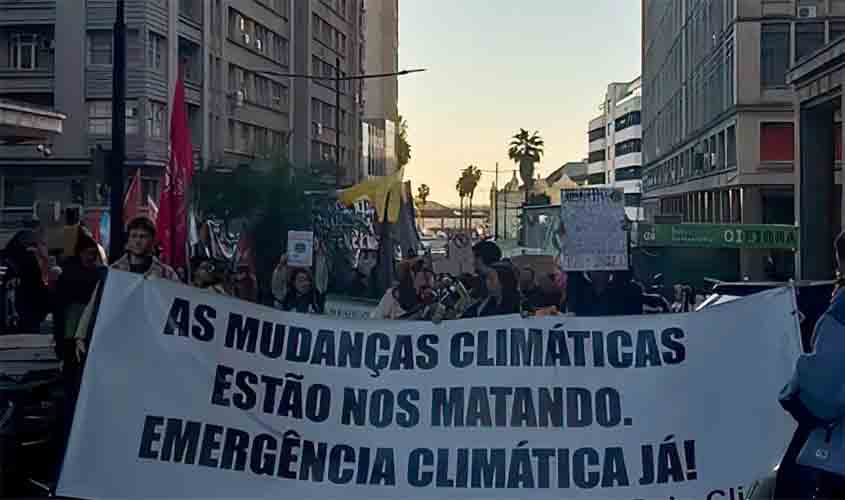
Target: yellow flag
385	194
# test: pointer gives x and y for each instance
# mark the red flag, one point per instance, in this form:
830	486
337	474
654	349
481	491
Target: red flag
132	198
173	215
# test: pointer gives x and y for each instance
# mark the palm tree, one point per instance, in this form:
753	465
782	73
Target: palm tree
423	192
471	177
526	150
459	186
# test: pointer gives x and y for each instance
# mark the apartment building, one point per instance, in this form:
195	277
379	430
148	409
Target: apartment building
233	56
718	121
614	144
381	95
329	41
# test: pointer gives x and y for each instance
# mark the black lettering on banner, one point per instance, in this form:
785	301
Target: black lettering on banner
271	384
579	339
149	436
178	318
579	407
351	352
670	338
181	441
210	443
428	356
526	350
204	329
419	458
246	399
410	414
372	359
272	340
318	403
262	460
460	357
403	353
617	357
235	450
557	352
598	349
648	354
221	385
242	333
608	409
313	461
299	344
341	454
324	349
488	468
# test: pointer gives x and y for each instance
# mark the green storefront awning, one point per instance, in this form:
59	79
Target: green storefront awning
767	236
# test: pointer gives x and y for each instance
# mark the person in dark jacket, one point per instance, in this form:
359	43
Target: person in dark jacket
25	300
485	254
301	295
604	293
502	294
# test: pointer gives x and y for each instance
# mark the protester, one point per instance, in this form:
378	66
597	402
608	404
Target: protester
485	253
74	289
604	293
502	293
139	259
301	295
244	284
532	295
209	276
25	295
815	397
412	296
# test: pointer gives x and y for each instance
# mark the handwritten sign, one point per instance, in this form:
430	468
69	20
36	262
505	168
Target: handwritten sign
592	229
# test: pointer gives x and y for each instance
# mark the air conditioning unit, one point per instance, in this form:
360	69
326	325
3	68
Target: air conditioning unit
246	38
240	97
258	45
807	11
319	129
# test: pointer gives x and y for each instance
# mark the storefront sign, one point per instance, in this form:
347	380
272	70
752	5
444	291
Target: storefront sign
718	236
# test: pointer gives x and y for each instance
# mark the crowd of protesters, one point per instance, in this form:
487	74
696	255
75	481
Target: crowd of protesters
35	288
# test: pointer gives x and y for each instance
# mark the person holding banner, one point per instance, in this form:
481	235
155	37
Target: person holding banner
139	259
301	295
413	296
814	463
503	295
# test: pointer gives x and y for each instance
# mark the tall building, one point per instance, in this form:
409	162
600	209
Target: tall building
58	54
381	95
718	120
614	144
328	41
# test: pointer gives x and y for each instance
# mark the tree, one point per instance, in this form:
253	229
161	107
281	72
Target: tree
526	150
470	177
460	187
403	148
423	192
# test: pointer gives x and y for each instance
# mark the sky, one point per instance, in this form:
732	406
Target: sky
494	66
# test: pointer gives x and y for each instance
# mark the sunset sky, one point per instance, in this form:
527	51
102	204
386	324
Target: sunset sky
497	65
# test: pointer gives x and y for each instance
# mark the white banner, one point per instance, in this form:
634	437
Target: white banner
592	228
194	395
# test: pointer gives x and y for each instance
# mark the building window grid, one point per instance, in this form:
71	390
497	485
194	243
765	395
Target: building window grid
156	121
100	118
23	51
99	47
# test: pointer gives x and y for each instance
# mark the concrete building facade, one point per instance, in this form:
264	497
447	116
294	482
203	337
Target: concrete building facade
381	95
614	144
718	118
58	54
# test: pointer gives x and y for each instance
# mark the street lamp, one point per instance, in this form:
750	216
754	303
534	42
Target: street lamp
337	78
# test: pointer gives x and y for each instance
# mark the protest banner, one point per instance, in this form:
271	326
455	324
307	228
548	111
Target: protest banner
300	248
592	230
193	395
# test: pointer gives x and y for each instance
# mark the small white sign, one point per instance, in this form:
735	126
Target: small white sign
300	248
592	229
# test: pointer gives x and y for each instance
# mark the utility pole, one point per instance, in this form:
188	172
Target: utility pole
118	135
496	202
338	175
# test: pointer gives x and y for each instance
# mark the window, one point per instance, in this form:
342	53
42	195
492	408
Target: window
596	134
837	30
195	123
808	38
777	142
99	118
594	179
629	173
189	61
731	146
629	147
633	199
774	56
19	192
628	120
280	96
99	47
156	47
23	51
155	119
596	156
